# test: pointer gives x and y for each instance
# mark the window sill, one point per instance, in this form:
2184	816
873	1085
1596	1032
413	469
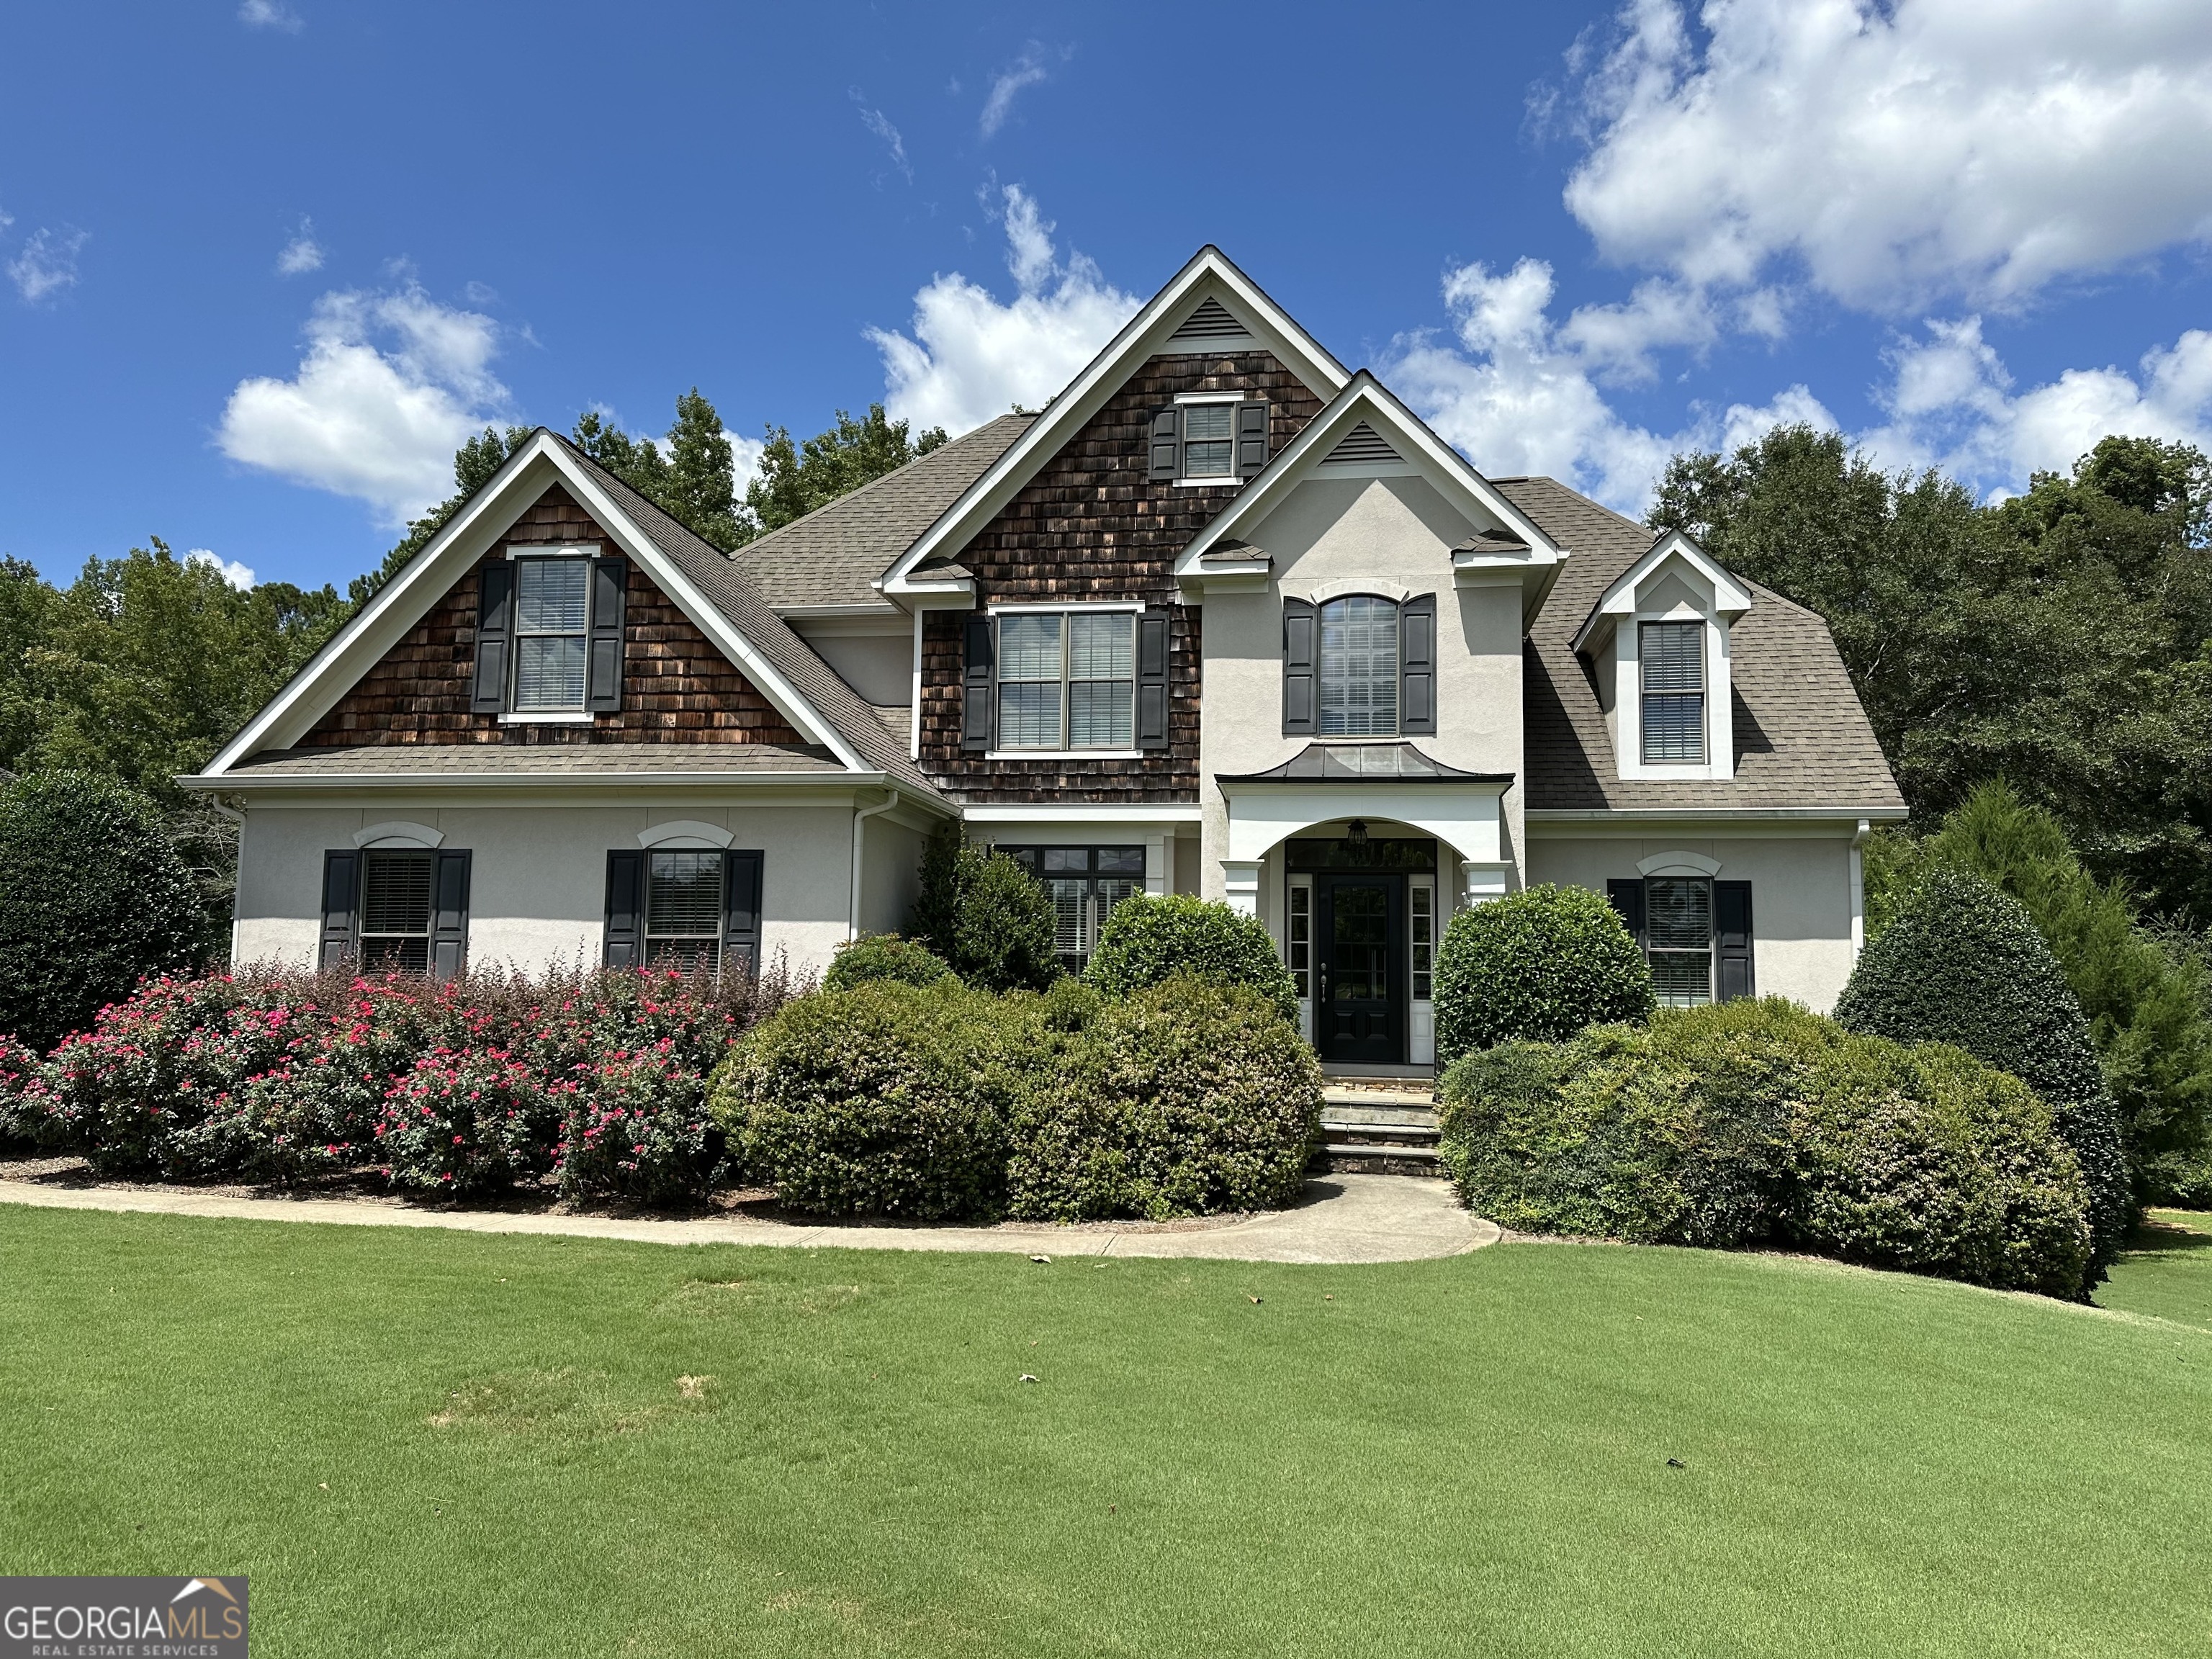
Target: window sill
553	717
1208	484
1065	754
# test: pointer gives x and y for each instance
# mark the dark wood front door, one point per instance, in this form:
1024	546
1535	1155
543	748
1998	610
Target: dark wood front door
1362	946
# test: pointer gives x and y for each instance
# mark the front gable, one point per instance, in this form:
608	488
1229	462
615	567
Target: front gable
676	686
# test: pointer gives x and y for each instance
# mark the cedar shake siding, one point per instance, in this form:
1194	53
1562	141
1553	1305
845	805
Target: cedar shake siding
678	687
1091	526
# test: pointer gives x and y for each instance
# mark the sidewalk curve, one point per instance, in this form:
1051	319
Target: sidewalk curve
1347	1218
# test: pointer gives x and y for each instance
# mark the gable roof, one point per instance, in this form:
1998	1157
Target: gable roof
832	557
1802	740
1366	406
1210	276
698	578
1730	598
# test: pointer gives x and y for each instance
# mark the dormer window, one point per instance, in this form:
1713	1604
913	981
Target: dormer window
549	635
1671	657
552	602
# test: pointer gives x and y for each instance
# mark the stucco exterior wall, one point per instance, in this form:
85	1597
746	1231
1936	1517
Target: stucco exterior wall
1391	536
538	883
1802	895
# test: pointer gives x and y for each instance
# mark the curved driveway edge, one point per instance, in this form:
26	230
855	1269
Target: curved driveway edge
1349	1218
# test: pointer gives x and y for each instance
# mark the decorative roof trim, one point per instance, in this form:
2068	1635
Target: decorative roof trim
1731	598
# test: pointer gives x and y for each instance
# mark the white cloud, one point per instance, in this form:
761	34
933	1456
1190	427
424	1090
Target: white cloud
970	358
47	264
1027	71
1519	393
1951	403
745	457
1892	151
390	385
239	577
303	253
879	124
269	14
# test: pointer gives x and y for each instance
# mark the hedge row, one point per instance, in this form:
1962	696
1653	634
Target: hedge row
939	1103
1756	1122
466	1088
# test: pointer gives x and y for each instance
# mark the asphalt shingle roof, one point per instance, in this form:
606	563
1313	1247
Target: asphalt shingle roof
1801	738
833	555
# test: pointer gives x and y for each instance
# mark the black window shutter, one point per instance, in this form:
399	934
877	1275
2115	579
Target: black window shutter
1164	458
1417	667
495	627
979	687
1301	628
625	940
449	914
340	908
1626	898
1732	972
1251	439
609	578
741	912
1152	681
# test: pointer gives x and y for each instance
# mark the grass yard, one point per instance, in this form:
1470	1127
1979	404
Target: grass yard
421	1443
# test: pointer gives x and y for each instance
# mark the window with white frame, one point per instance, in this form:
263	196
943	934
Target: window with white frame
684	910
1679	939
1421	933
1068	680
395	911
1209	440
1358	667
552	607
1298	938
1671	665
1086	883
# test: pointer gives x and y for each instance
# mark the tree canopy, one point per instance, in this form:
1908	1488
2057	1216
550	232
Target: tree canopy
796	479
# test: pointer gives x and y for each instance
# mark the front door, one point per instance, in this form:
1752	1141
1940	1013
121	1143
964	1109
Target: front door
1362	940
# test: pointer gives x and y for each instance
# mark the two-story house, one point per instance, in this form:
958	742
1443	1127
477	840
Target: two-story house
1225	618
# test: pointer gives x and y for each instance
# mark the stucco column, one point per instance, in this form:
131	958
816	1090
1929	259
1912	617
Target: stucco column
1241	879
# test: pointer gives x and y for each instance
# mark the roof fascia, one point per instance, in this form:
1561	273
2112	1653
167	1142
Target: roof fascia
1730	597
1139	340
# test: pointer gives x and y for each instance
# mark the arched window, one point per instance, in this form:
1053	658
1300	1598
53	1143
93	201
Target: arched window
1358	667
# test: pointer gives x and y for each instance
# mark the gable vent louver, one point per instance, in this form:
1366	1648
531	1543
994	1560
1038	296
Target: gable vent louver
1364	444
1211	321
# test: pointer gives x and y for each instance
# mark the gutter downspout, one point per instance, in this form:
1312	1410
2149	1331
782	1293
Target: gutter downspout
238	818
860	836
1859	839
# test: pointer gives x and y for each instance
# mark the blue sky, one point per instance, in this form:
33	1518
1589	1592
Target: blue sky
266	261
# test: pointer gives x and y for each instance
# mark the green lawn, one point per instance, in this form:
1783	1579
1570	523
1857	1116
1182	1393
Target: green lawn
440	1442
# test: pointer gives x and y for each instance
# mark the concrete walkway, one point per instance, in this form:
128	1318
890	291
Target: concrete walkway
1347	1218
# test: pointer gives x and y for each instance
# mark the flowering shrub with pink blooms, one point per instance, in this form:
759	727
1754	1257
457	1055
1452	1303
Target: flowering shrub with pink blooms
459	1087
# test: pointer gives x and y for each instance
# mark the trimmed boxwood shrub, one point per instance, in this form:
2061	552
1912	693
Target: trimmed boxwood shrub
884	955
1539	964
984	915
1962	963
1189	1097
887	1099
1147	941
92	899
1757	1122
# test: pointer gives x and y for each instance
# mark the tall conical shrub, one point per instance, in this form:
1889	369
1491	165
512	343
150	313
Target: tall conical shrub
1963	964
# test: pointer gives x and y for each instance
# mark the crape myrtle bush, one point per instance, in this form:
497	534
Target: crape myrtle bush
1147	941
461	1087
1752	1122
883	956
1962	963
1538	964
941	1103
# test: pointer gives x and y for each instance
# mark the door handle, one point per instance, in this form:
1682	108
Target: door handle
1324	984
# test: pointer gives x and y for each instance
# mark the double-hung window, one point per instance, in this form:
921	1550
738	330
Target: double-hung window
1671	661
1068	680
1086	883
1358	668
690	907
552	609
1208	438
1695	931
683	911
395	911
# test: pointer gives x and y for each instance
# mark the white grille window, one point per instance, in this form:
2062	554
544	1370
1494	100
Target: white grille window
1671	658
1358	667
684	910
1067	681
395	911
1421	927
1086	883
552	599
1298	939
1678	920
1209	440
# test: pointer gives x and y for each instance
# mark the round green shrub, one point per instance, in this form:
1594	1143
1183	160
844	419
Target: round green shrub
884	955
1756	1122
1963	964
92	899
1190	1097
887	1099
986	916
1147	941
1539	965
